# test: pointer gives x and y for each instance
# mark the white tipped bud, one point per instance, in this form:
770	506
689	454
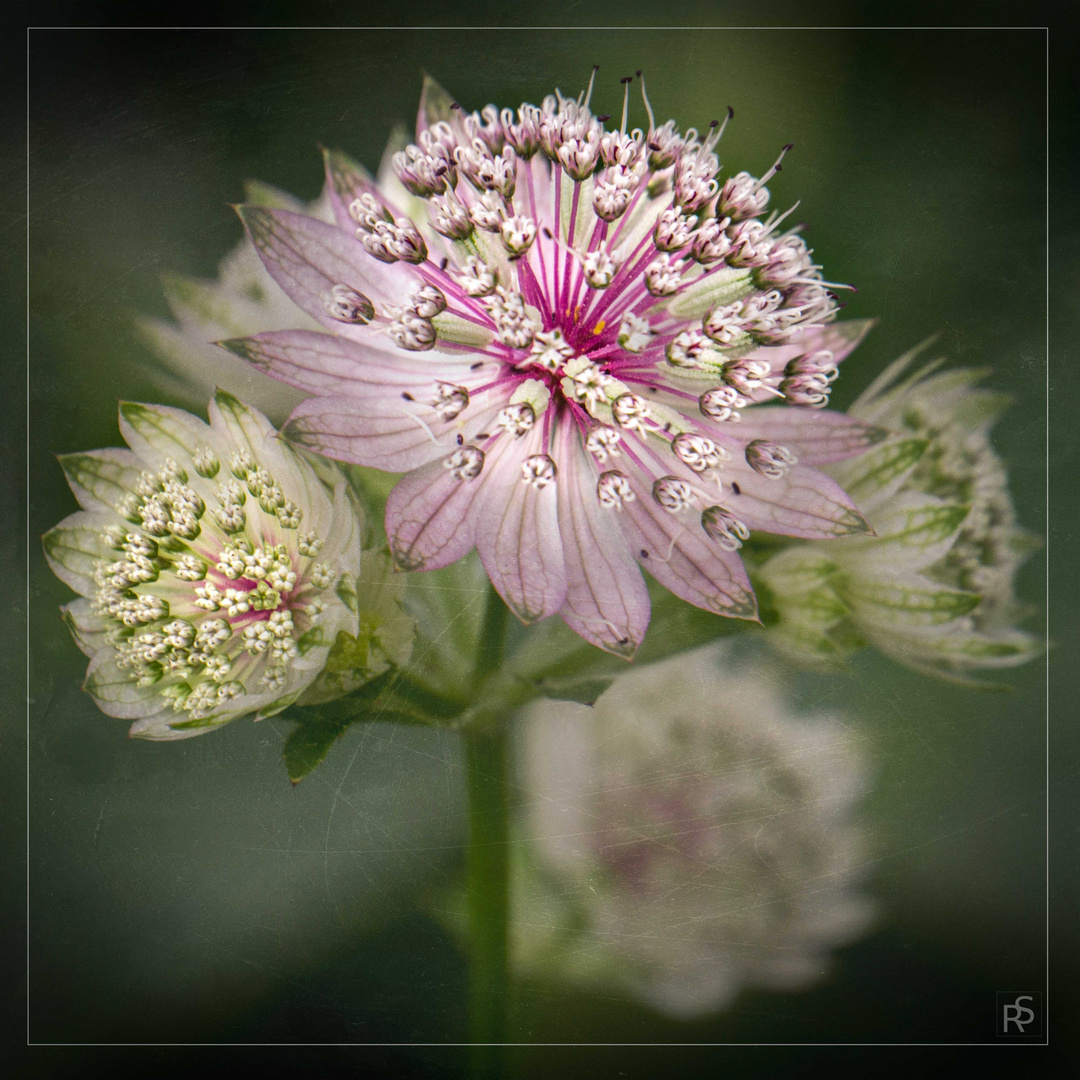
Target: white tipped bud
427	302
347	305
673	494
411	332
599	268
674	229
518	233
602	442
448	216
613	490
516	420
662	277
538	470
487	212
770	459
475	278
465	463
723	527
635	333
722	403
698	452
450	401
630	412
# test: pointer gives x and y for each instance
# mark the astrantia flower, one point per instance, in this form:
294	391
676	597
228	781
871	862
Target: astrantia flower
564	333
687	837
934	589
216	570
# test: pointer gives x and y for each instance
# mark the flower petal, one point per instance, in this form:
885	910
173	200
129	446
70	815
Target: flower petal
876	476
429	517
893	601
682	559
249	430
101	479
394	438
345	181
804	503
156	432
327	364
74	548
517	531
839	338
86	628
607	602
116	693
817	436
308	257
158	727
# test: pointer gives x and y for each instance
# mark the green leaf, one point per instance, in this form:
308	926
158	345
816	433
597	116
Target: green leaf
389	698
308	745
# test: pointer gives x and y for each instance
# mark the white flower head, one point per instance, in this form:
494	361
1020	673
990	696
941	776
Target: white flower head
687	837
933	588
201	600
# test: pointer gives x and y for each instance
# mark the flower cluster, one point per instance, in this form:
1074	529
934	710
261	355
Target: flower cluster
216	571
934	587
566	335
687	837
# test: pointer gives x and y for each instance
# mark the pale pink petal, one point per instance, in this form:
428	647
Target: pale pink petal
429	517
838	338
372	370
682	558
817	436
74	549
517	532
345	181
308	257
804	503
394	436
436	104
607	602
114	691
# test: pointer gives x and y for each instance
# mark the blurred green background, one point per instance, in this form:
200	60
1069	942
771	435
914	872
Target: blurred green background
186	893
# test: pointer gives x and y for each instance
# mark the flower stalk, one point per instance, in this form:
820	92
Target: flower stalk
487	863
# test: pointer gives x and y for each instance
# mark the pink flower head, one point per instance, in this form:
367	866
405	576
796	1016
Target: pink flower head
586	353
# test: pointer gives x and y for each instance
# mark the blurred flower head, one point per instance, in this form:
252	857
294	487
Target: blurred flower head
934	588
565	333
216	572
687	837
243	299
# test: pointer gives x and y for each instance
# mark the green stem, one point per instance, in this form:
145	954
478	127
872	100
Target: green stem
487	868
